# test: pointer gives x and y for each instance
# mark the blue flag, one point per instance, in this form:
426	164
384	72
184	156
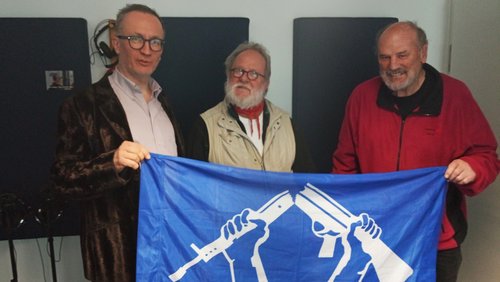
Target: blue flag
207	222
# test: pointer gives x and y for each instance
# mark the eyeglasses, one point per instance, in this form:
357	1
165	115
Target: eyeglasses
136	42
251	74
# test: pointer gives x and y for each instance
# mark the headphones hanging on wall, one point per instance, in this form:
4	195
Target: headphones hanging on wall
101	46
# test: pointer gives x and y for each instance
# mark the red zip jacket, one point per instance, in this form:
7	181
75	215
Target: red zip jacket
447	125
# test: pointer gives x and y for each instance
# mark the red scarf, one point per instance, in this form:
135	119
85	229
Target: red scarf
252	113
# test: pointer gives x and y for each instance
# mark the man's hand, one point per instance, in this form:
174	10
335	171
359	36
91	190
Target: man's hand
460	172
130	154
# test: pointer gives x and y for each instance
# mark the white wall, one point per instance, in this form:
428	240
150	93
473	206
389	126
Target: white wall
271	23
475	59
33	260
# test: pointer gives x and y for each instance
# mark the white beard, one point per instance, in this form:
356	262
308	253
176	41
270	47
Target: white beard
256	96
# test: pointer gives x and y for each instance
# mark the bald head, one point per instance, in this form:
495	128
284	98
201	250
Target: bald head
407	28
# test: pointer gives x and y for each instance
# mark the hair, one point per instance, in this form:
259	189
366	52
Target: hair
134	8
249	46
421	36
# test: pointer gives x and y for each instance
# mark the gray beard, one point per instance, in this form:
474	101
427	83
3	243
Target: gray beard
398	87
255	97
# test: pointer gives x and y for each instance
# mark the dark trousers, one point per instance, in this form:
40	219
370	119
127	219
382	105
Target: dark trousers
448	264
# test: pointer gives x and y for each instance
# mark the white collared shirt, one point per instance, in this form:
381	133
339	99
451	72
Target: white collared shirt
148	122
254	134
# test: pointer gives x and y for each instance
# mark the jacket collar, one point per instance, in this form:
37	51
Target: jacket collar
111	108
265	118
433	97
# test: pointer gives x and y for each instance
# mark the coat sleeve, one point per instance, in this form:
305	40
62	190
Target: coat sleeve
344	157
198	145
481	146
303	160
82	169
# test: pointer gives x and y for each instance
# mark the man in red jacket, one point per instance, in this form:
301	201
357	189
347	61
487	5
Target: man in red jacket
412	116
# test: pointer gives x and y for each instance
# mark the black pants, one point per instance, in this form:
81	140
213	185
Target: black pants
448	264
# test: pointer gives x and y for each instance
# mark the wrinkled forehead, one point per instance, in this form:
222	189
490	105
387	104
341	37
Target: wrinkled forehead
250	59
397	39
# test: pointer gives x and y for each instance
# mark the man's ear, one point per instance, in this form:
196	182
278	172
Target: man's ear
116	44
423	53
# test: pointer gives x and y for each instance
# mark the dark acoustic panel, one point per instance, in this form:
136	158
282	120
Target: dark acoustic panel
45	58
42	60
330	57
192	68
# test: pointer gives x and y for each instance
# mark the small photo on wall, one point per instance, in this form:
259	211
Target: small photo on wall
59	79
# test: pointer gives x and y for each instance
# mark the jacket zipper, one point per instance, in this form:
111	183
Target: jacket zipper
263	163
403	120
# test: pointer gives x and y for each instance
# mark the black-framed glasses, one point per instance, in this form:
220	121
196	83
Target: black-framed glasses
251	74
137	42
